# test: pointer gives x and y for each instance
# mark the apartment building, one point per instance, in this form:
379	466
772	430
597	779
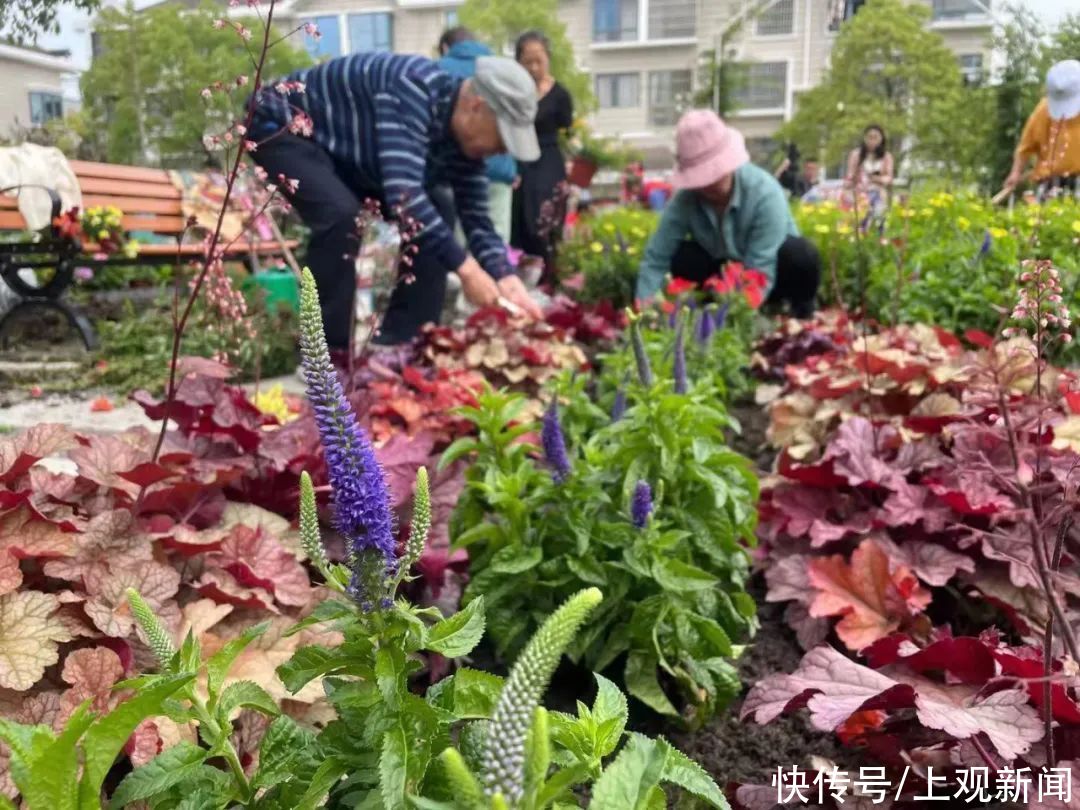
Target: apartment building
644	55
34	87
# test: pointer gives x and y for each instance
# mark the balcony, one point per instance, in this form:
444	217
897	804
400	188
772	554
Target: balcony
961	13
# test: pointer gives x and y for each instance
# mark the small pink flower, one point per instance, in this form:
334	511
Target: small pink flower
241	80
83	273
245	33
205	93
219	24
250	146
301	125
240	129
282	88
312	30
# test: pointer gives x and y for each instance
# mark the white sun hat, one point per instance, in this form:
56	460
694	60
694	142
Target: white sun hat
1063	90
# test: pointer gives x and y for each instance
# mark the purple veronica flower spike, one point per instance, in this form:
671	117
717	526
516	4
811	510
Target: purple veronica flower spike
986	243
618	408
720	316
682	385
361	498
641	357
705	326
641	505
554	443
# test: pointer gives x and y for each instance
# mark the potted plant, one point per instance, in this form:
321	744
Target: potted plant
589	153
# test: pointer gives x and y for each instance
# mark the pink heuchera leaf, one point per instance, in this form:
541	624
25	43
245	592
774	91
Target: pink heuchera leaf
107	604
969	660
102	458
24	537
29	633
824	517
933	563
221	586
874	596
111	540
91	672
857	449
909	504
830	685
255	559
20	451
834	688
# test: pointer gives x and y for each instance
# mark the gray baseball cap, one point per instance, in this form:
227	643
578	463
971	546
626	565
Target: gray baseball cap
511	93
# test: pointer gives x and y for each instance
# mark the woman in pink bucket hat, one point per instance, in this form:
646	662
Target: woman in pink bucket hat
728	209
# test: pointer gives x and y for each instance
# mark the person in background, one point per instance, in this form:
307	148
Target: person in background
728	209
810	177
541	179
870	168
458	52
388	127
1052	135
789	173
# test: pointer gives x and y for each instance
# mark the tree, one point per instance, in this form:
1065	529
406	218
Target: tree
25	20
499	22
888	68
143	90
1016	87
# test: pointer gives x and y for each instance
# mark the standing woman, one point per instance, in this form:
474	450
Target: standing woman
540	179
870	168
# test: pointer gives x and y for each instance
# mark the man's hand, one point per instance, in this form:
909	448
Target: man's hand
480	289
513	289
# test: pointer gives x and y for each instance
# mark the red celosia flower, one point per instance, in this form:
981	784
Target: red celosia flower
678	286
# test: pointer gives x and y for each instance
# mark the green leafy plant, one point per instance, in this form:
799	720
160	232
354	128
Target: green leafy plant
606	250
538	530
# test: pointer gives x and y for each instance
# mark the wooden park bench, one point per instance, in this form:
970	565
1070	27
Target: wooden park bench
149	201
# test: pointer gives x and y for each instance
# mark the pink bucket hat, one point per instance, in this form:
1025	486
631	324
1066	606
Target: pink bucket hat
706	149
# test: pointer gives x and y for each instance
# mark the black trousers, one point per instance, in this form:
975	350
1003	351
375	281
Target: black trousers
328	200
798	272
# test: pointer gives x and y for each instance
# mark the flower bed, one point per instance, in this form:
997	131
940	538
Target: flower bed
918	528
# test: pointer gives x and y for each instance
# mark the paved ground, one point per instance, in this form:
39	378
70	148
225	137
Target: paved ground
77	414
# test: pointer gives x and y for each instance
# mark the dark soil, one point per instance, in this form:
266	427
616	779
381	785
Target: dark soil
744	752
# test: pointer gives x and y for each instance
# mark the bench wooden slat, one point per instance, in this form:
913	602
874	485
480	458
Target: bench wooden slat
153	223
240	248
129	188
135	205
110	171
12	221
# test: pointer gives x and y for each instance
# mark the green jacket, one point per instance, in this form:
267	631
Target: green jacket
755	224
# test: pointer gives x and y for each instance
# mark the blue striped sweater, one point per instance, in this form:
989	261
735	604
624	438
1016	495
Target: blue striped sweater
388	115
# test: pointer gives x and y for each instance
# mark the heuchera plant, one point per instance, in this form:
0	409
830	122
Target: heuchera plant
955	481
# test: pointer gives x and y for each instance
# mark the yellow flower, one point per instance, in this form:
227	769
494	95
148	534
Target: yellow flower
596	247
927	212
272	401
822	228
103	234
997	233
843	228
609	227
1076	225
131	249
638	232
963	222
907	213
632	250
1032	222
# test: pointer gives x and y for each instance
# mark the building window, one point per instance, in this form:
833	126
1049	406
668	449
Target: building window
371	32
971	66
328	45
960	9
615	20
617	90
669	92
777	19
672	19
761	86
45	107
842	10
451	18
